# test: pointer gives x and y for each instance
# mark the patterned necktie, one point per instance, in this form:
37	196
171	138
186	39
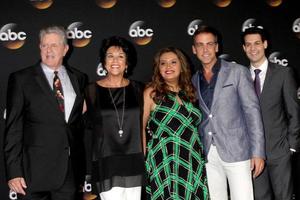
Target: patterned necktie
257	81
57	89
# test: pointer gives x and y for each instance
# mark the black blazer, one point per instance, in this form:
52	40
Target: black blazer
280	111
37	136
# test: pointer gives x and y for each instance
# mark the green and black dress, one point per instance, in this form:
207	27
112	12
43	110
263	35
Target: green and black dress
175	163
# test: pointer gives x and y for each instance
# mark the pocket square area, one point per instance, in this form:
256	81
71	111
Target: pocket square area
228	85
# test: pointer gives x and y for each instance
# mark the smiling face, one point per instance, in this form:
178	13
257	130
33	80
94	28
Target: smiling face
115	61
205	48
169	67
52	50
254	48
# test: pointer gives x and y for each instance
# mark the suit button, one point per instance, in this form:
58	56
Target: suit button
209	133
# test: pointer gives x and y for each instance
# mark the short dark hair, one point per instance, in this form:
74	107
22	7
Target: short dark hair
125	45
207	29
254	30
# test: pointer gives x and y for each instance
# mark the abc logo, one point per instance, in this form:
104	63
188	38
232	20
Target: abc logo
10	35
78	34
250	23
100	70
296	27
141	35
227	57
12	195
80	38
87	187
276	58
4	114
193	26
10	38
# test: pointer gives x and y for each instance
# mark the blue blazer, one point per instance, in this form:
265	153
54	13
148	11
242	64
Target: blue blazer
234	120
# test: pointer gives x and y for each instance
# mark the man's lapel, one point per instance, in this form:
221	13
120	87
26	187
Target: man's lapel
75	84
267	83
202	104
222	76
46	88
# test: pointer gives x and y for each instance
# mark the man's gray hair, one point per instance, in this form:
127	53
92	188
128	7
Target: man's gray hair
59	30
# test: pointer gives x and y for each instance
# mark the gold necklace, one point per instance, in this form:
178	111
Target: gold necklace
120	121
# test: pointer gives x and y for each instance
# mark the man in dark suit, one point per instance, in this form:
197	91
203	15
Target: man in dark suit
43	140
277	90
231	129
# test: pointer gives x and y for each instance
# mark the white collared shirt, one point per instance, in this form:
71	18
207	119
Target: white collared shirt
68	90
262	74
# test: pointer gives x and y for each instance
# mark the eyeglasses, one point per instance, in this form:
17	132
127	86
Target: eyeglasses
208	45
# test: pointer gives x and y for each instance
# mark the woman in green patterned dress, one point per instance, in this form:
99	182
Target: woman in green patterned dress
174	153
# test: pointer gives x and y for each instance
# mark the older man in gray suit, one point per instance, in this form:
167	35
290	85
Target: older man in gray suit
231	129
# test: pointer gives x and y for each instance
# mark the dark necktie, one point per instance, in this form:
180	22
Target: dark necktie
57	89
257	81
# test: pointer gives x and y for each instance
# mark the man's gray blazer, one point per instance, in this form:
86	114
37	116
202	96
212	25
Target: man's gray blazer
234	120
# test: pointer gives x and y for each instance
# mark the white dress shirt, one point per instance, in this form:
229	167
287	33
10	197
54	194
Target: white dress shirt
68	90
262	75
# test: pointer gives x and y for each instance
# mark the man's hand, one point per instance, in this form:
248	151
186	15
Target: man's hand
17	184
257	166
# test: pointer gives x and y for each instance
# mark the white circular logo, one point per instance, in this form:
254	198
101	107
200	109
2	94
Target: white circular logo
100	70
12	195
4	114
276	57
296	27
10	38
227	57
250	23
193	26
140	33
80	37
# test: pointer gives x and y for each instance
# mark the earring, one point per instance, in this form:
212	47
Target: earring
125	70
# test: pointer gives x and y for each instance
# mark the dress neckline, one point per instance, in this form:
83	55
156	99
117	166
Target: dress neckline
112	88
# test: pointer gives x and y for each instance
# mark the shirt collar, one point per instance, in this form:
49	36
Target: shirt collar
61	69
263	67
216	67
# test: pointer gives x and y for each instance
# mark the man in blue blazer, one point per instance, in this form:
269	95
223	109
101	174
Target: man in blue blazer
277	91
231	129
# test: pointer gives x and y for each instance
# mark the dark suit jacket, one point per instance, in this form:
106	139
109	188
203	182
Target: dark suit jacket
38	139
280	111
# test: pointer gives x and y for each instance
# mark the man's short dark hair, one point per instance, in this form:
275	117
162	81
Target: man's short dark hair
254	30
207	29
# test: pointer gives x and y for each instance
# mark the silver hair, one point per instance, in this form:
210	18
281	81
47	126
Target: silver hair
59	30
